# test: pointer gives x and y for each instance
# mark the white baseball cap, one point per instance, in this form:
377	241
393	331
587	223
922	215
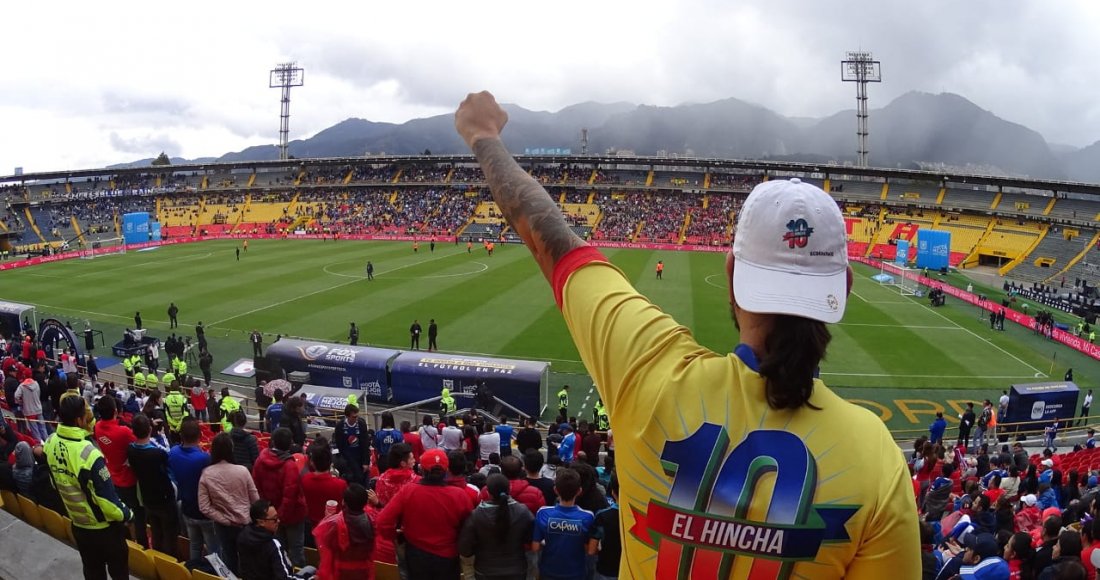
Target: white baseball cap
791	252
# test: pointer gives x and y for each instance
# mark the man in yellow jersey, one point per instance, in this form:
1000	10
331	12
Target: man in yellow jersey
79	472
738	465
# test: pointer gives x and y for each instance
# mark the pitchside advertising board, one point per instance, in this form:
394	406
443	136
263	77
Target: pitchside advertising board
417	376
1042	402
933	249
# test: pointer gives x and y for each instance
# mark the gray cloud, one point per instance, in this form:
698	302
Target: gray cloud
145	145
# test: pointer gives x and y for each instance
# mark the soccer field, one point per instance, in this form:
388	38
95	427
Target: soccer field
501	305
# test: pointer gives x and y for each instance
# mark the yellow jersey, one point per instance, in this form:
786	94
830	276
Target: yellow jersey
713	482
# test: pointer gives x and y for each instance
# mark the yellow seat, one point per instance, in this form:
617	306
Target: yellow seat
384	571
313	557
169	568
141	562
200	575
56	525
11	505
30	511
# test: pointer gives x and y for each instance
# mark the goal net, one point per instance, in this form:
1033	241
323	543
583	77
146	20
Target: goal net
103	247
903	280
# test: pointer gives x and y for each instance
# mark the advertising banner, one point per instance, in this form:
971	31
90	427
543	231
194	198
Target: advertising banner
901	257
358	368
933	249
135	227
418	375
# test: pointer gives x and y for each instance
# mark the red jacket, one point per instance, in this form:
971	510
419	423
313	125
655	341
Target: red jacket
346	553
391	482
318	488
114	440
277	479
413	439
429	515
470	491
523	492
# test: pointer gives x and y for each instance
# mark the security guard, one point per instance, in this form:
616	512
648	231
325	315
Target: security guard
139	378
447	403
563	402
151	382
181	369
175	409
167	379
79	472
603	422
128	368
227	405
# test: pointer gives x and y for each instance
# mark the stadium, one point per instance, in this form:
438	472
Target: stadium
281	248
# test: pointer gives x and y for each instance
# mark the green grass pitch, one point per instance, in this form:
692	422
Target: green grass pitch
888	348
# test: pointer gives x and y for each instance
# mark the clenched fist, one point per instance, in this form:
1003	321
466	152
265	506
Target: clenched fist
479	117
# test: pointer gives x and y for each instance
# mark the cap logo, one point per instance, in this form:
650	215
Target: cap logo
798	233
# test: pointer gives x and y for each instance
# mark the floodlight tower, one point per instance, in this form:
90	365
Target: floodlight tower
861	68
584	141
284	76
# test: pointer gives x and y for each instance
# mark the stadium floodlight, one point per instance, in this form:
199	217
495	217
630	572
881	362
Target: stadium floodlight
284	76
861	68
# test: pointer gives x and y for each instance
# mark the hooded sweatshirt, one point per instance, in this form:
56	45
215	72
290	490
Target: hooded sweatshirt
28	396
23	472
279	481
261	555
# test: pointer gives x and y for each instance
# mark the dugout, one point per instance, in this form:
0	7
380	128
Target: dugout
418	376
12	315
361	369
1037	405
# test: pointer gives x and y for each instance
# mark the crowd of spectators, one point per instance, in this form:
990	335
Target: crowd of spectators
664	217
734	181
711	225
994	506
451	495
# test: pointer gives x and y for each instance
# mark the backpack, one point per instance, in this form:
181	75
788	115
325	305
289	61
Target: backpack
984	419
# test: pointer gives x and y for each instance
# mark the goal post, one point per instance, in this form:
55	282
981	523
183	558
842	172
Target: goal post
103	247
902	279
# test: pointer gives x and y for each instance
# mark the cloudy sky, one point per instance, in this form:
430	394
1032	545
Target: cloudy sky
87	87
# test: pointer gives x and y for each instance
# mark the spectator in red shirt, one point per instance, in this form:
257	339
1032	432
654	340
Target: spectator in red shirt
413	439
277	479
457	475
346	540
398	475
519	489
114	441
198	402
319	485
430	514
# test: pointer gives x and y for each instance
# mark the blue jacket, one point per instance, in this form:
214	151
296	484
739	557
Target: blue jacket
186	465
1048	499
937	428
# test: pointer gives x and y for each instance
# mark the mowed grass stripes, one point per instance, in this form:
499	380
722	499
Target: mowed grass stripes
501	305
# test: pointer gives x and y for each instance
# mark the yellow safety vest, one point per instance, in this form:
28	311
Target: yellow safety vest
139	380
72	459
168	378
228	405
127	365
563	398
181	367
174	410
151	381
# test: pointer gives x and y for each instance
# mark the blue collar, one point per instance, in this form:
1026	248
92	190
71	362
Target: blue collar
747	356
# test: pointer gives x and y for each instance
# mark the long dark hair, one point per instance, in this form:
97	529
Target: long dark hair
794	349
221	449
498	487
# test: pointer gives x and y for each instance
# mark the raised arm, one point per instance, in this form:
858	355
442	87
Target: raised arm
524	203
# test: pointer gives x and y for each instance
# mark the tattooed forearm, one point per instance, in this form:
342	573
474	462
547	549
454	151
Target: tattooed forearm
526	205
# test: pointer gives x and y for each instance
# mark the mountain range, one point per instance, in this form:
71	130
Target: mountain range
917	130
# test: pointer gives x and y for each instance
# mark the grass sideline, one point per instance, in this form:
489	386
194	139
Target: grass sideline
887	346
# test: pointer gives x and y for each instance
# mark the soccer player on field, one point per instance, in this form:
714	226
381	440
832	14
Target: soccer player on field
743	464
